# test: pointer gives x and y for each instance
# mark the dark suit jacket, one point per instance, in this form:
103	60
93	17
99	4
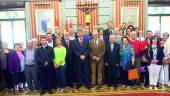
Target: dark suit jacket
88	37
81	50
112	58
69	54
105	38
54	40
149	55
54	36
43	56
107	32
98	50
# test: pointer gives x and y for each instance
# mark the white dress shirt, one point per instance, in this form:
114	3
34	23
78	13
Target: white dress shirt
50	43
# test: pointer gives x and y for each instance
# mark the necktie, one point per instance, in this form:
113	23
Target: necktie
81	41
110	31
67	42
95	42
44	48
111	47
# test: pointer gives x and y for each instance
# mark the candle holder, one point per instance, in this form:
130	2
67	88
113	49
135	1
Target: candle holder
87	6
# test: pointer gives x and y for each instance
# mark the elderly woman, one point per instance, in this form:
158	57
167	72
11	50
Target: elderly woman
4	53
16	62
154	55
127	59
121	32
118	36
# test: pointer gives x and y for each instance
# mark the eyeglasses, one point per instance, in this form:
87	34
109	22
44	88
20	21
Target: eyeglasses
155	39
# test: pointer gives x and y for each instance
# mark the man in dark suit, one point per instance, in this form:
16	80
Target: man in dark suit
109	30
50	41
44	57
81	50
87	33
70	66
56	33
72	35
112	61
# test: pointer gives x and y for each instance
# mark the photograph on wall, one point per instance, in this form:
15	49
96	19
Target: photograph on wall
44	20
130	15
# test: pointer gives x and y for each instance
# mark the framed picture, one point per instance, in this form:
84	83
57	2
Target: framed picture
44	20
130	15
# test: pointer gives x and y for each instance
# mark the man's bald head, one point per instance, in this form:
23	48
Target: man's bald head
95	34
30	44
165	36
112	38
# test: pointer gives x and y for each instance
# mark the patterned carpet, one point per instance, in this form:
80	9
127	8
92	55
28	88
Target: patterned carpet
104	91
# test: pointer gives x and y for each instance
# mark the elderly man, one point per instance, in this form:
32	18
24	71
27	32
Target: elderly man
109	30
97	50
112	61
70	64
164	78
31	67
56	33
35	42
72	34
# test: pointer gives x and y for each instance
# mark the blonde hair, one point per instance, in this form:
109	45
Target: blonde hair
58	39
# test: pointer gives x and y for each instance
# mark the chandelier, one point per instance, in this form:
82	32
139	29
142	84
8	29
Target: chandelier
87	5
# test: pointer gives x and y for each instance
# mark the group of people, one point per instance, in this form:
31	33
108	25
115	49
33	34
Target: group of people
87	59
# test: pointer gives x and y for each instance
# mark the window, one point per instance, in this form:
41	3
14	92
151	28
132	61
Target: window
158	10
159	19
153	20
13	27
12	14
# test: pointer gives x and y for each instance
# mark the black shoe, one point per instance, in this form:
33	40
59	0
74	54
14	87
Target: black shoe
50	92
92	86
146	85
88	87
42	93
98	86
78	86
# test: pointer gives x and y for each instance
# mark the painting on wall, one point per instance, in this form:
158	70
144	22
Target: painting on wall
44	21
130	15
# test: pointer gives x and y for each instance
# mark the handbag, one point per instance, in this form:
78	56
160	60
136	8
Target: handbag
133	74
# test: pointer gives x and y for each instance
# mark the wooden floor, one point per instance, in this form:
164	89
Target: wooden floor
92	92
